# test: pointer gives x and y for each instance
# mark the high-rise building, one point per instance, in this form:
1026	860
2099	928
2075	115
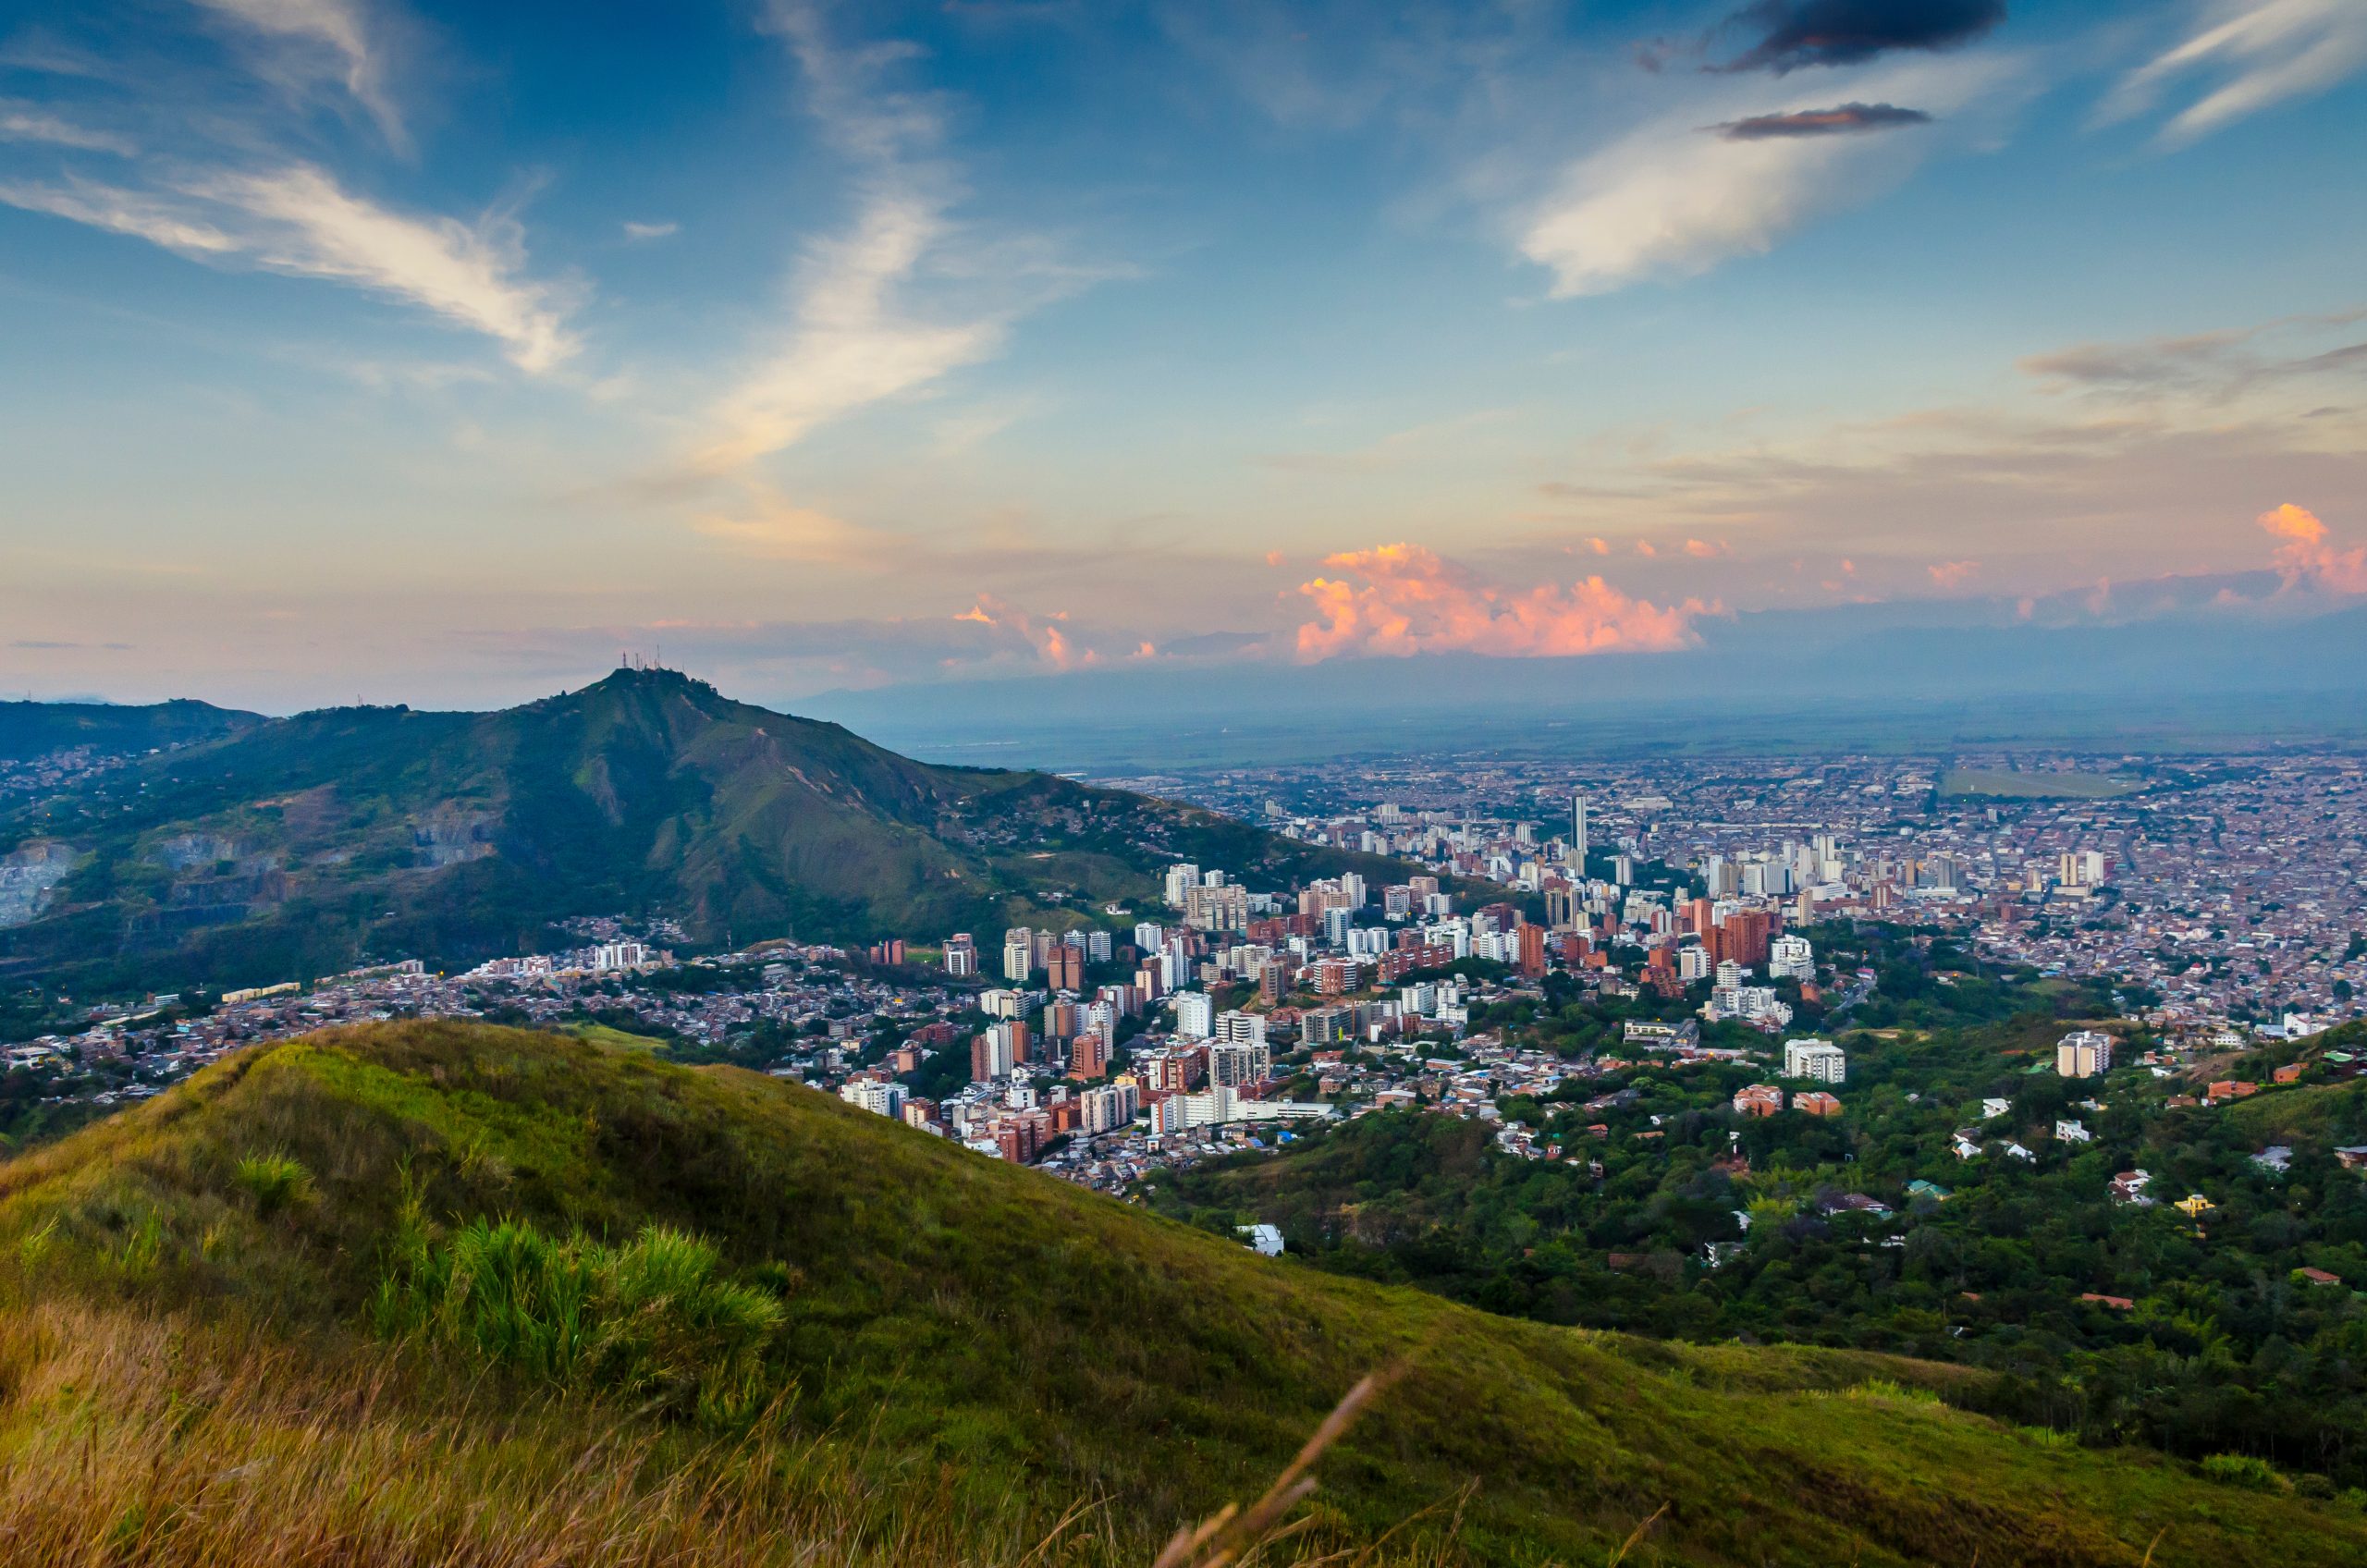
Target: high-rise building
1194	1015
960	955
989	1056
2083	1053
1012	1038
1089	1057
1237	1028
1066	967
1578	831
1018	953
1239	1066
1106	1109
1744	937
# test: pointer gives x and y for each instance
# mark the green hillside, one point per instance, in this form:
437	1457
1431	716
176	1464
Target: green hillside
392	1295
29	729
308	844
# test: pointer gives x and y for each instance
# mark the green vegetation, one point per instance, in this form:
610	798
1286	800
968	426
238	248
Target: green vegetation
549	1301
273	1180
2118	1320
305	846
654	1316
2021	786
29	729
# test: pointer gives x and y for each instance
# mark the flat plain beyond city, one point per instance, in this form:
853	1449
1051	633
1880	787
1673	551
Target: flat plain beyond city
809	785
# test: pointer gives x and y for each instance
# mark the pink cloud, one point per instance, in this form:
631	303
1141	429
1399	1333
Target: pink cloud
1952	574
1040	633
2305	556
1401	599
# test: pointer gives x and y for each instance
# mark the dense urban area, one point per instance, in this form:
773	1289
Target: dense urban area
2215	899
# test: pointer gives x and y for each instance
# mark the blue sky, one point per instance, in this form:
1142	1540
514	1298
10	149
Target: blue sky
436	352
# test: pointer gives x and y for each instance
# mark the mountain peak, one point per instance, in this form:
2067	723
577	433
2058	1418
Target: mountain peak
650	678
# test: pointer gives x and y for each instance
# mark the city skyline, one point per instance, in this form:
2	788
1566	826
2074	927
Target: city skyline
408	352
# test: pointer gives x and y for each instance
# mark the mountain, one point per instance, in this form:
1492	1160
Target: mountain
447	1292
302	846
29	729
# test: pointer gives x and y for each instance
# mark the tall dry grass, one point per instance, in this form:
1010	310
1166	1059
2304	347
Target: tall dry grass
132	1440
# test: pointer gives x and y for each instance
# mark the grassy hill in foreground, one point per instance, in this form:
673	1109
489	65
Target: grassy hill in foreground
265	1317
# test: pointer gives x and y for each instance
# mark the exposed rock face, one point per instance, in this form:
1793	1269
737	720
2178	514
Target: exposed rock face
26	877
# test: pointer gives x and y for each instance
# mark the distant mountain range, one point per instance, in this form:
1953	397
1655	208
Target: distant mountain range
1930	674
304	845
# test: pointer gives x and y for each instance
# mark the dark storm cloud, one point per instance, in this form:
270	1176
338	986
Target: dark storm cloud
1793	33
1840	120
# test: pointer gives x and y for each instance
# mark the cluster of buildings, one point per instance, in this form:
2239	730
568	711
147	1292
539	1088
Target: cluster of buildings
812	997
2221	888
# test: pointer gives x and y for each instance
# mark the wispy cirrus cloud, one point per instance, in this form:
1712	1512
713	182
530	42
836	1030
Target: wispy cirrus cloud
29	122
1676	196
772	527
1403	599
2259	54
2219	364
298	220
858	335
313	40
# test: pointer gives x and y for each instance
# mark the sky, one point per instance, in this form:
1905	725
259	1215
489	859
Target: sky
440	352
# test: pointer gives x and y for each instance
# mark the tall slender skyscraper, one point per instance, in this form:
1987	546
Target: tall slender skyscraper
1578	831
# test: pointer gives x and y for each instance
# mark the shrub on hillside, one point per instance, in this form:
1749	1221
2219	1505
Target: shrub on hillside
653	1318
273	1180
2244	1470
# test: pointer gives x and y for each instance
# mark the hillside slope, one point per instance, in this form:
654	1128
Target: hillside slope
897	1330
311	843
29	729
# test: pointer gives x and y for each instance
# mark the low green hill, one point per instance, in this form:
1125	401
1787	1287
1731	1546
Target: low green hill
29	729
443	1293
306	845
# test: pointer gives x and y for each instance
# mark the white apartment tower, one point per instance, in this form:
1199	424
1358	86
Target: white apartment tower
1820	1059
1194	1015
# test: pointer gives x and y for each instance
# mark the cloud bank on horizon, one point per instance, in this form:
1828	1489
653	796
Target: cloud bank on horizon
420	343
